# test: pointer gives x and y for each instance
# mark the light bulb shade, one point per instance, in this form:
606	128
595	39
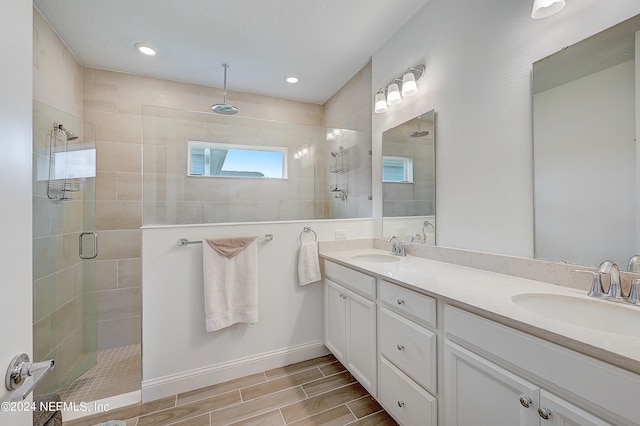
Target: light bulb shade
380	105
409	85
393	94
544	8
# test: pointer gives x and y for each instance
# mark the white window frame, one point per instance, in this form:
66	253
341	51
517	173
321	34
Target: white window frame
238	147
408	168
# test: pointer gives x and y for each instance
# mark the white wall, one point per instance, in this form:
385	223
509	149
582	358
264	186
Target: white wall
15	172
179	355
585	174
478	56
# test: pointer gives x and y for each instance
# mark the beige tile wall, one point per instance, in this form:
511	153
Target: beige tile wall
113	102
351	108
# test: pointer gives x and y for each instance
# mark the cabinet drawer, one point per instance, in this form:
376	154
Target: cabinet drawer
410	347
418	306
354	280
403	398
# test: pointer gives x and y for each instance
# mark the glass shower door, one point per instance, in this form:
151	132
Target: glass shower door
64	244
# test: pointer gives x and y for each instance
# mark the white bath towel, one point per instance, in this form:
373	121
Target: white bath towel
308	263
230	282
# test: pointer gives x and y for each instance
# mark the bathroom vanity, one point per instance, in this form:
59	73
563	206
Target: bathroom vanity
441	344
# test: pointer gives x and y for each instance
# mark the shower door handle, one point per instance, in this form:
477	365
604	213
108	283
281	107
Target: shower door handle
95	246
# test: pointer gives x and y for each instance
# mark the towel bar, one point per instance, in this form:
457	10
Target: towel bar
186	242
306	230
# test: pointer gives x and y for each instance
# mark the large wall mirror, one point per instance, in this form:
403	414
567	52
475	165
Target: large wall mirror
586	112
408	180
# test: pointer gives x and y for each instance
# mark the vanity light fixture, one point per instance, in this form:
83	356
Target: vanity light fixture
380	105
145	50
395	92
544	8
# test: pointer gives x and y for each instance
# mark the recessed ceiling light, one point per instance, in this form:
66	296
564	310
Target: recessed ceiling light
145	50
292	80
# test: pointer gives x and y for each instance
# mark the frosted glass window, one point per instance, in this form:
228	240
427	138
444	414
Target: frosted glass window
397	169
227	160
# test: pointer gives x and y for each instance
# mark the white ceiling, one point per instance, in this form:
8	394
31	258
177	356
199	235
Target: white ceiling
322	42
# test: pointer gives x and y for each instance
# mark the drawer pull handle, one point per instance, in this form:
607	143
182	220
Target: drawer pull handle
525	401
545	413
400	404
400	301
400	347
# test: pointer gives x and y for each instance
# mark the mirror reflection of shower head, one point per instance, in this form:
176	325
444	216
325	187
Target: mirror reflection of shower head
419	133
68	133
224	108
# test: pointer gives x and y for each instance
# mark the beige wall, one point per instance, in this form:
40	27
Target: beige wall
57	75
113	102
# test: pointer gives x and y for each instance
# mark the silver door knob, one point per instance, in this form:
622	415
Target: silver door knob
525	401
545	413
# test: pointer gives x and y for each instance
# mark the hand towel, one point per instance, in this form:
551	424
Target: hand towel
308	263
230	267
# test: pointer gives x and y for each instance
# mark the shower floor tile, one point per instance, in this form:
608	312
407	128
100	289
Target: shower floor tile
118	371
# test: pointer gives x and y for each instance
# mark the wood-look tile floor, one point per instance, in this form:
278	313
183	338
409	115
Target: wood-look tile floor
315	392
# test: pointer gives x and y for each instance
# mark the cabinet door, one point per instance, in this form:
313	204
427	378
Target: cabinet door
361	353
335	320
479	393
555	411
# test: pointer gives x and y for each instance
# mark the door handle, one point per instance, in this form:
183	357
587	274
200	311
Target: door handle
23	375
95	245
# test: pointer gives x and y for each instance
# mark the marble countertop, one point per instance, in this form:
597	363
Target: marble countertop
489	294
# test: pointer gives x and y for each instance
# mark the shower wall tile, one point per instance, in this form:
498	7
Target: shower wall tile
120	244
48	251
119	332
129	273
189	212
65	319
118	215
115	127
129	186
118	303
106	275
106	186
57	75
41	334
118	157
100	96
43	292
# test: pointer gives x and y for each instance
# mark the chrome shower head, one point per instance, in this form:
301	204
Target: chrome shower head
419	133
68	133
224	108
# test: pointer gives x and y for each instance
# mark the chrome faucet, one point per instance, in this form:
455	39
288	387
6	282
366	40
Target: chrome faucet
398	246
615	290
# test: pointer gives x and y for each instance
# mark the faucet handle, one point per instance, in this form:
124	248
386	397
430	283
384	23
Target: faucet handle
634	293
596	285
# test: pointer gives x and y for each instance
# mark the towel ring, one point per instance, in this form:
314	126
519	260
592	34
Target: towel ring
306	229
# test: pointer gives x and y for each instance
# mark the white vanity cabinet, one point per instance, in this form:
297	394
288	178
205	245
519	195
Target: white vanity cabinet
407	363
496	375
350	322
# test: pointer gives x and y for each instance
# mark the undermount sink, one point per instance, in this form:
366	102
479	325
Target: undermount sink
585	312
375	258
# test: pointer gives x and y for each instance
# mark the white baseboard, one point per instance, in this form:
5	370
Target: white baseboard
201	377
